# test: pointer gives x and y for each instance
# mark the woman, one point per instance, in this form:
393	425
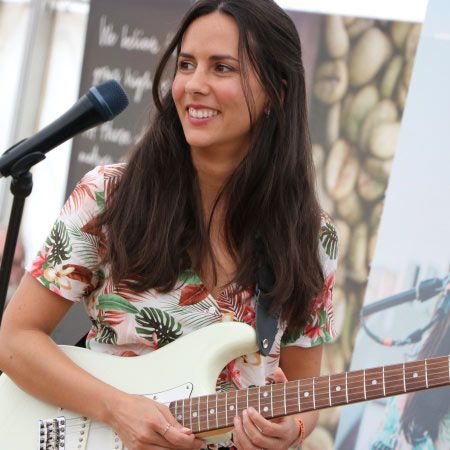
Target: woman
421	421
221	183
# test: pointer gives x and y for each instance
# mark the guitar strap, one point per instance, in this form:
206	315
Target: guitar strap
266	321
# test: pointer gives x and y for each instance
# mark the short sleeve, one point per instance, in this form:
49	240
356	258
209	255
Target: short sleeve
320	326
68	262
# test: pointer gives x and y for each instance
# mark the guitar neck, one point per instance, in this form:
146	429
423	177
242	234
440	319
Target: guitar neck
213	412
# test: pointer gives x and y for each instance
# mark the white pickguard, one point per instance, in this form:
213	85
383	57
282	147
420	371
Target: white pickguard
185	368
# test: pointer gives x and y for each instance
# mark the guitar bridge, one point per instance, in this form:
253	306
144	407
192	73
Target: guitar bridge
52	434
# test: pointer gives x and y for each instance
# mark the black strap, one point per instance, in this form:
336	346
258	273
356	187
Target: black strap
266	322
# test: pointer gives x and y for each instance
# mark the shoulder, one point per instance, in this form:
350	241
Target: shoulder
100	174
90	192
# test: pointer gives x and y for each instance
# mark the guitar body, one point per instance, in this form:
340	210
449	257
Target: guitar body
186	368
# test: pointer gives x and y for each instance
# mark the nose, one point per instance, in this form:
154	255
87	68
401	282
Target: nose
197	82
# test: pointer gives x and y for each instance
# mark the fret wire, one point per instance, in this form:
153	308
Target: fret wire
182	411
448	358
207	412
285	412
190	412
198	414
271	398
247	398
176	414
259	399
346	387
329	388
226	408
217	414
426	373
364	380
404	378
237	412
298	394
314	394
384	386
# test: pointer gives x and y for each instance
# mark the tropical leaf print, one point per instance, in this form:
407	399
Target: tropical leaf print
233	302
197	315
289	337
78	273
106	335
100	199
86	245
112	175
192	294
329	240
57	245
85	188
114	302
153	320
189	277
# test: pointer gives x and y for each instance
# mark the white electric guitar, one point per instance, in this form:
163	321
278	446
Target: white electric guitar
183	376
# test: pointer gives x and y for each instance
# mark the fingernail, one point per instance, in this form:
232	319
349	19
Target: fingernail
186	430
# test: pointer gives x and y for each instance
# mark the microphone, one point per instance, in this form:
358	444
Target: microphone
101	104
424	291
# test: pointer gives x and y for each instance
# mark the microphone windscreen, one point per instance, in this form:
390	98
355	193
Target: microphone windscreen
109	99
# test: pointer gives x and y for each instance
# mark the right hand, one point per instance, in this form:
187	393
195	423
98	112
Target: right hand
142	424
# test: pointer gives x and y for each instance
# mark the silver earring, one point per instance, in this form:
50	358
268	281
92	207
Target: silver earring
267	112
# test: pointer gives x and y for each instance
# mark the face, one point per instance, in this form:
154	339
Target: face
207	89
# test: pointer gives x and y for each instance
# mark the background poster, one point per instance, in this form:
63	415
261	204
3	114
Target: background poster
413	246
357	71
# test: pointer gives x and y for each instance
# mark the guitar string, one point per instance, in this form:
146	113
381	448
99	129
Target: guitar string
101	426
321	393
220	415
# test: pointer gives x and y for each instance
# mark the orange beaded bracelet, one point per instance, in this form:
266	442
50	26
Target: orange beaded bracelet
301	432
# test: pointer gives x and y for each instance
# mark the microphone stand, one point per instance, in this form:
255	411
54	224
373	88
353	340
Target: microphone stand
21	187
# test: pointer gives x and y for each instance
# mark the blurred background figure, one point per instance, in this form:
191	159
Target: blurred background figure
421	420
17	269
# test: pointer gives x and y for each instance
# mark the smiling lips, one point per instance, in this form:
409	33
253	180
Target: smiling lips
201	113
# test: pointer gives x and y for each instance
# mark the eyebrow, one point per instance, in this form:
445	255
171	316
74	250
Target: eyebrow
211	58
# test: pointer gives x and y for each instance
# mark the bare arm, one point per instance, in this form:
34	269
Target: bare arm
35	363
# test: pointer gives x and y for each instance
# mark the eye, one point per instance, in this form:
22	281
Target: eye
184	65
223	68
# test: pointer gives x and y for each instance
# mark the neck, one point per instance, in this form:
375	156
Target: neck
276	400
213	168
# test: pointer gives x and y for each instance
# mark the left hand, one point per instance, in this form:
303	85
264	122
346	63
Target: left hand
253	432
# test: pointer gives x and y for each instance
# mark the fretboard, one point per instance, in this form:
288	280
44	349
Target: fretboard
217	411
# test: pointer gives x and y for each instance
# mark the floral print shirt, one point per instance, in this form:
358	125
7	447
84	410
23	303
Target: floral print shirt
127	323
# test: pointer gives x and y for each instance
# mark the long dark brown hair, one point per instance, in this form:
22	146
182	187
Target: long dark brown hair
425	410
156	226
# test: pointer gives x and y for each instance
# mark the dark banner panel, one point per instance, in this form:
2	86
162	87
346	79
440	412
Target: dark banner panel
124	42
